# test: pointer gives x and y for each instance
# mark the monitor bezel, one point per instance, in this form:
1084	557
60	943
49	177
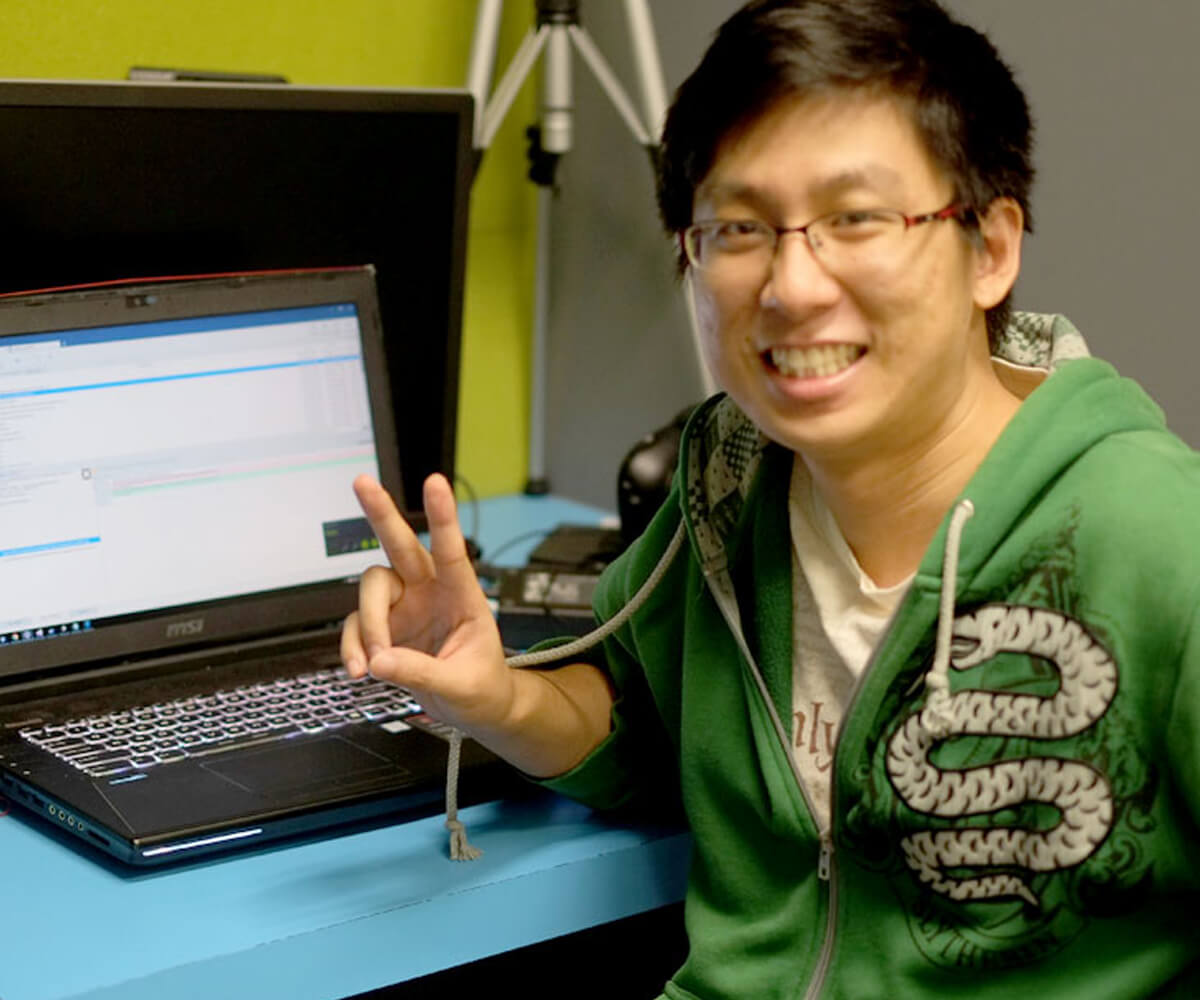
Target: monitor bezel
457	105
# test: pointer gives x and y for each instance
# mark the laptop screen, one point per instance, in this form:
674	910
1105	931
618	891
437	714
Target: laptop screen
178	461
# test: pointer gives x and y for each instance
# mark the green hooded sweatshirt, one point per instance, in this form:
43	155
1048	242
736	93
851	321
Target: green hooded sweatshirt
1015	803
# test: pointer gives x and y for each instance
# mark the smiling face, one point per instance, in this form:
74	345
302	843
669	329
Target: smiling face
843	369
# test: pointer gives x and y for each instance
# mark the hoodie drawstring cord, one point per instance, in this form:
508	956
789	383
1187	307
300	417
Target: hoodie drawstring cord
937	717
460	848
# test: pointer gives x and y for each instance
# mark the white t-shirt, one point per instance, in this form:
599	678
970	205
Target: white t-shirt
839	615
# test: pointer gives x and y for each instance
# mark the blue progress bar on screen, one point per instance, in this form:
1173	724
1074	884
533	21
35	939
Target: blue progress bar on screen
69	543
212	373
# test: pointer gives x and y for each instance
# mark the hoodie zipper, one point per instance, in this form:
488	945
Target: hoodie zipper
827	854
826	860
826	871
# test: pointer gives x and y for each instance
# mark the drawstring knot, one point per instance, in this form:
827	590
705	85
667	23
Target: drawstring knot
937	717
460	847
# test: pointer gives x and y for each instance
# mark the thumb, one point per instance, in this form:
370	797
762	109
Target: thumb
406	667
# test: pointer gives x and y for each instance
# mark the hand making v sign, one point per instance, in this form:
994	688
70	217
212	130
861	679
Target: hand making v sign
425	624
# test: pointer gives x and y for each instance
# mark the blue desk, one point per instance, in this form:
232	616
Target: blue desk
330	917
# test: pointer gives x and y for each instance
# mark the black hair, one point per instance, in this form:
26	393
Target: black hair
967	107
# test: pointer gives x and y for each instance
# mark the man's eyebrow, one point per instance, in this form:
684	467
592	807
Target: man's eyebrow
873	177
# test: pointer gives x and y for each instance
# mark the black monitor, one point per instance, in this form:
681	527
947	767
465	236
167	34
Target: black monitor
115	180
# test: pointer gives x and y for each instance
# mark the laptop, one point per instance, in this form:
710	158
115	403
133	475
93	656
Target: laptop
179	544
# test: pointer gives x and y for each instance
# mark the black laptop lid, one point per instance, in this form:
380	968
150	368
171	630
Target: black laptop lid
176	461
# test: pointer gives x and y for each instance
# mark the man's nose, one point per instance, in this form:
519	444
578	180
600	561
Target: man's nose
798	282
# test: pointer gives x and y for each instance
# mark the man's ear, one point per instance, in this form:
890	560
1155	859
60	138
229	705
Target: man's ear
998	259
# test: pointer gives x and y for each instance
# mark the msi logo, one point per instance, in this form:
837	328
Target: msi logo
180	630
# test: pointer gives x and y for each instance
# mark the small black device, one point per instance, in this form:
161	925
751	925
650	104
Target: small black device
644	479
541	602
551	595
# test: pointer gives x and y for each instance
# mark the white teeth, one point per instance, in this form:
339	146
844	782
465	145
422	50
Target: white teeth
814	362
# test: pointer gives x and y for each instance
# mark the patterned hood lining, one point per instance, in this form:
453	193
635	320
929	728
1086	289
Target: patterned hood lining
723	454
1041	340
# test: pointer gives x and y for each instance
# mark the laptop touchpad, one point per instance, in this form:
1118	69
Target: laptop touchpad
287	768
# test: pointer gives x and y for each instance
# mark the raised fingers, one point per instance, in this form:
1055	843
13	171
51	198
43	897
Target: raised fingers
404	550
449	548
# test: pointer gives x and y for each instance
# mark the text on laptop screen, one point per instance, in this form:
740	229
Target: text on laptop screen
158	464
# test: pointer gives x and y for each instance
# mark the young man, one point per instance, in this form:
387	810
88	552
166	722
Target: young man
919	655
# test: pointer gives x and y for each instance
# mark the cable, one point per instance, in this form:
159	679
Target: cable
517	540
609	627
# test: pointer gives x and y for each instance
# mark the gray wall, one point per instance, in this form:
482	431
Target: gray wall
1117	209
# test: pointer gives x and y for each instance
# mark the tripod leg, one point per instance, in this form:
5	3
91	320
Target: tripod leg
538	482
610	84
649	67
483	58
510	84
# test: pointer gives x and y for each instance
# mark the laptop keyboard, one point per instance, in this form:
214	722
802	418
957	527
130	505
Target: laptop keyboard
137	738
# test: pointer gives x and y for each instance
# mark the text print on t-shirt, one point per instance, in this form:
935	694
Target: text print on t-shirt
815	735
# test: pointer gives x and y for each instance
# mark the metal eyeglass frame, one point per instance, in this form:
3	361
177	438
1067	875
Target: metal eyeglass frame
955	210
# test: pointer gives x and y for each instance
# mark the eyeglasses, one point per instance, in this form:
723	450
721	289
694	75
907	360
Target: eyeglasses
851	245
